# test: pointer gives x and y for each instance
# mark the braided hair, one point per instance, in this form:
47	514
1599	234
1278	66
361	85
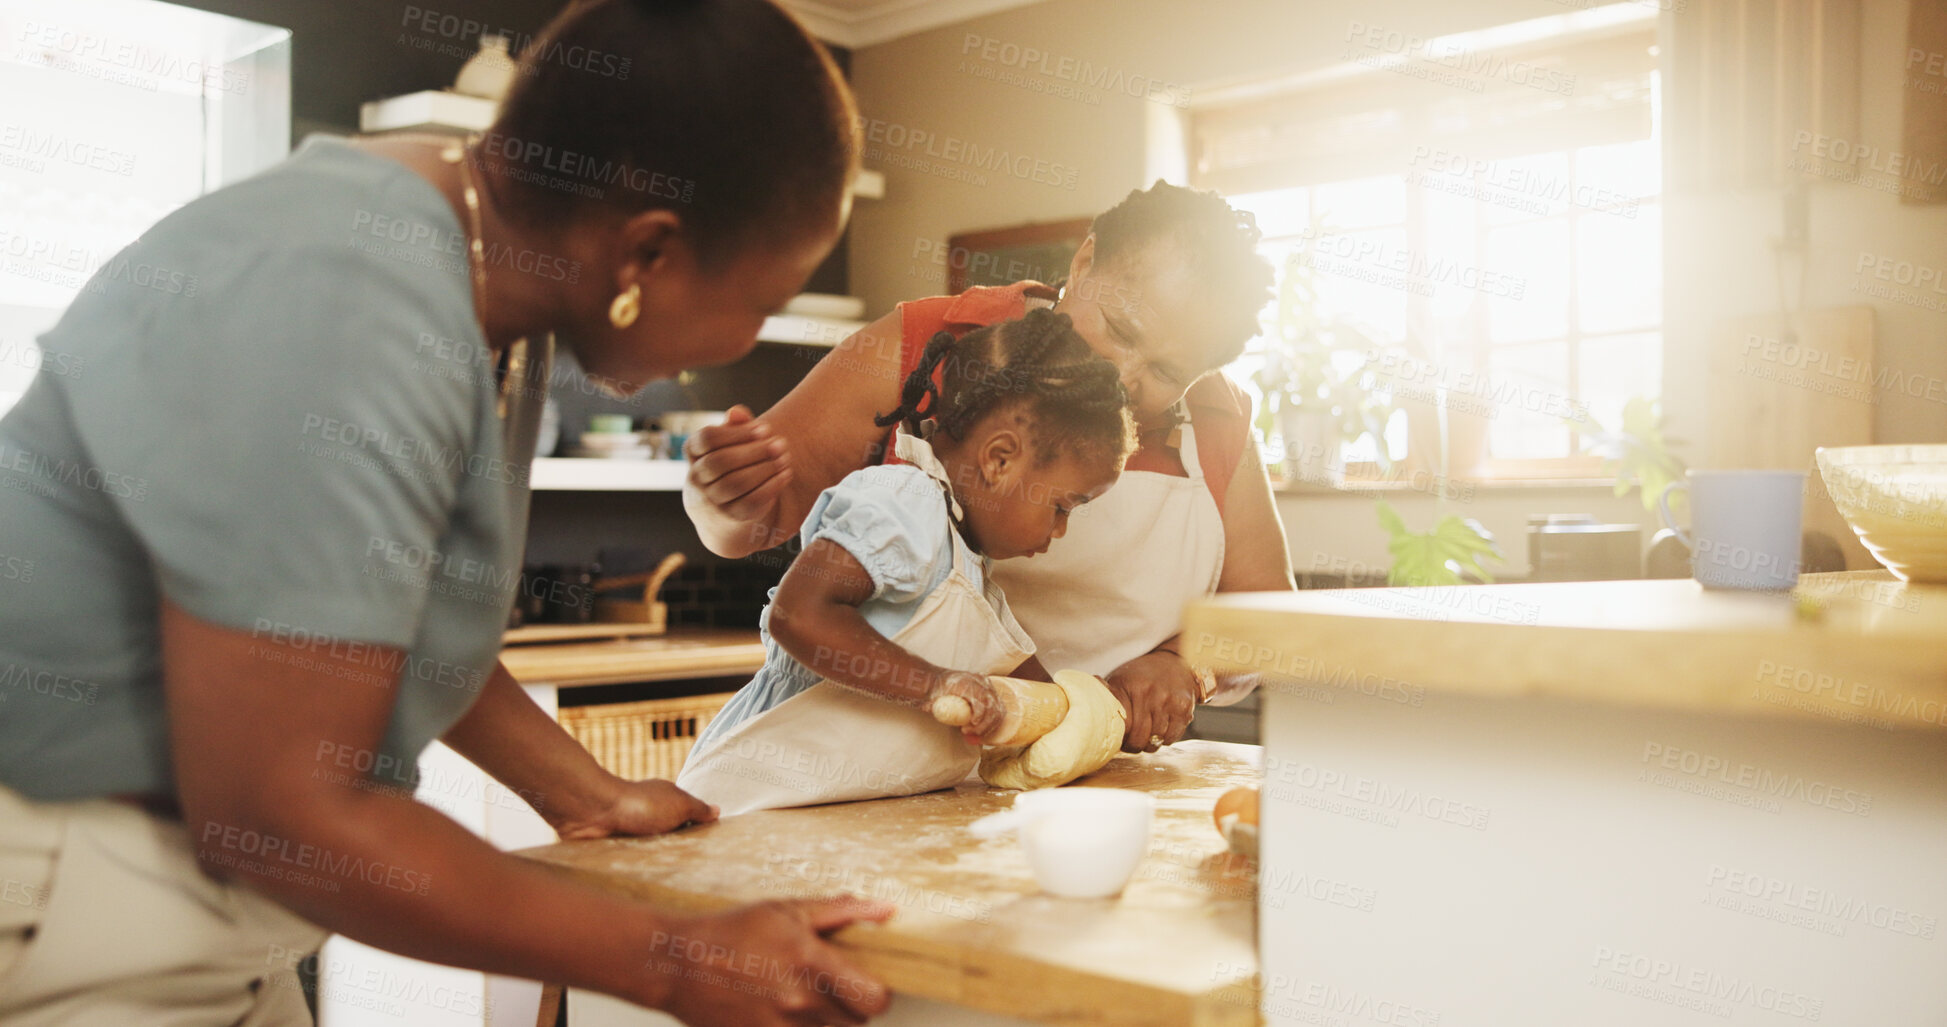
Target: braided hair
1216	241
1073	398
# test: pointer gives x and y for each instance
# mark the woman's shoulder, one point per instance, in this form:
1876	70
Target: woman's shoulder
1215	396
330	206
973	307
266	280
331	228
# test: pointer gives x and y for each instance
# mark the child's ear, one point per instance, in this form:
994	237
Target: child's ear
1003	455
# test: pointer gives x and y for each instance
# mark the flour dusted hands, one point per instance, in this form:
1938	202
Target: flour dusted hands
985	709
635	808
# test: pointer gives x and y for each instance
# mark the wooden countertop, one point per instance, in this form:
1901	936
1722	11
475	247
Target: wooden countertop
1177	948
670	657
1857	648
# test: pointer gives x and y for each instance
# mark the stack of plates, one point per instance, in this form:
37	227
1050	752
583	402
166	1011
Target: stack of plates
634	445
825	304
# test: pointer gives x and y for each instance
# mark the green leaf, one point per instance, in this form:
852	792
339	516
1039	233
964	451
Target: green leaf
1389	518
1447	555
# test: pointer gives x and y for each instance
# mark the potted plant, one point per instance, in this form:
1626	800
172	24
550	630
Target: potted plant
1637	452
1319	390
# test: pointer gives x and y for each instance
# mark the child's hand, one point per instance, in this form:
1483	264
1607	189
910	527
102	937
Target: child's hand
980	698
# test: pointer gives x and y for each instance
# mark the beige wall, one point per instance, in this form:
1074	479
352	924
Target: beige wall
925	83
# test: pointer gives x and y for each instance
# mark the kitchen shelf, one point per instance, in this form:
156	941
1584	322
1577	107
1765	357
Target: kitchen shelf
805	330
593	474
681	655
430	110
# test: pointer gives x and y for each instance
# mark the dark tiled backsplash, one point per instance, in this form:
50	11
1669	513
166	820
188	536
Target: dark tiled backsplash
716	593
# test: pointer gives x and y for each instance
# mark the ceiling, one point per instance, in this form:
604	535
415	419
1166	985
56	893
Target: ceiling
857	23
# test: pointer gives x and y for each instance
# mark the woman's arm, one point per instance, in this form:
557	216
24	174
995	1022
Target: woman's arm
752	481
1257	557
508	736
265	738
815	617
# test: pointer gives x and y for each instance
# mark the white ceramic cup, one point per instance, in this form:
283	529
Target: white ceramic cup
1744	527
1081	843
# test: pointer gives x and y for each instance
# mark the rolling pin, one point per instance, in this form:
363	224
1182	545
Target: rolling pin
1033	708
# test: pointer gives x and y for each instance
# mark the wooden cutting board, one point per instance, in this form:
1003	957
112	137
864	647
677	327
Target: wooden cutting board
1781	387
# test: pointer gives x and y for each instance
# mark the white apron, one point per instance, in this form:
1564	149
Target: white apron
1115	585
831	743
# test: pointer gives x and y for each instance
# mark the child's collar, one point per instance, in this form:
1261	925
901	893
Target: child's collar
919	453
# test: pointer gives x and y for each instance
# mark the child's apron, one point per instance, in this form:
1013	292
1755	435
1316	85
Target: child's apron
1114	586
831	743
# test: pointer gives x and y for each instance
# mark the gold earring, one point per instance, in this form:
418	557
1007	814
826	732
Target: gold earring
626	308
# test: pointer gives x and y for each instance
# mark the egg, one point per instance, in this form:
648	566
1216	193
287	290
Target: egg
1236	817
1239	801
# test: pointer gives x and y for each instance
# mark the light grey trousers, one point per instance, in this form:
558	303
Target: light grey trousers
106	919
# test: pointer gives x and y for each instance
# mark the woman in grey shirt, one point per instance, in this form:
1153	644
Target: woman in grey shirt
272	533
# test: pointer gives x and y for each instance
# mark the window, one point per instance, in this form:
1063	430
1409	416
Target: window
1504	253
137	108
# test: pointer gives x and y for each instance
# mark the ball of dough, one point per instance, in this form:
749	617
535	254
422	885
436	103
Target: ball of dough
1088	737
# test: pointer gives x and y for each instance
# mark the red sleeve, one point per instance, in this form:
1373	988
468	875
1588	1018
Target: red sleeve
918	320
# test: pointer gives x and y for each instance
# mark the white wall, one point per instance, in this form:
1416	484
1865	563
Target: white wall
1718	261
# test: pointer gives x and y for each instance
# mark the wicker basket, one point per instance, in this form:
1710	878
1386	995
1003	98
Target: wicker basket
648	739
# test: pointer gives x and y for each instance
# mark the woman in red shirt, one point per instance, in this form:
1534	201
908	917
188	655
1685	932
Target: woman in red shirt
1168	286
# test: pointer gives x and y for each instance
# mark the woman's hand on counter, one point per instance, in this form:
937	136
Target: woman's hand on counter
766	965
1160	693
638	808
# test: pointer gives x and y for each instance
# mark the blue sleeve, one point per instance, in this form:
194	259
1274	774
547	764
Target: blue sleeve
893	520
284	431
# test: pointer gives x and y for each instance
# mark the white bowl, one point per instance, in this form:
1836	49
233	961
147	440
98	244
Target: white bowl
1895	499
612	453
685	422
613	439
1084	843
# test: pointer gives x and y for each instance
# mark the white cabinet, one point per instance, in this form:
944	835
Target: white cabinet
360	986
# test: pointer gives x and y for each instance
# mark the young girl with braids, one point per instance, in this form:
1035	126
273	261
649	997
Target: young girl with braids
1167	286
1001	435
